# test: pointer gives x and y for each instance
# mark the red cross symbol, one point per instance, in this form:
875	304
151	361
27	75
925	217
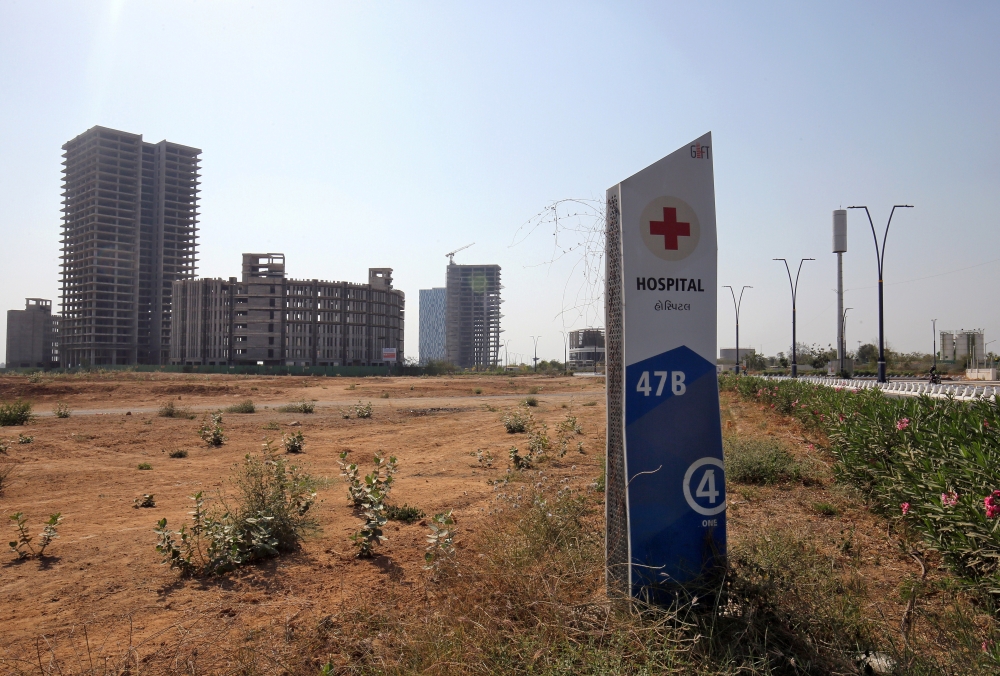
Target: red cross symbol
670	228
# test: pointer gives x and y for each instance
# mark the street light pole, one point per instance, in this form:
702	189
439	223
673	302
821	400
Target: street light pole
795	288
880	258
564	352
535	358
737	304
843	340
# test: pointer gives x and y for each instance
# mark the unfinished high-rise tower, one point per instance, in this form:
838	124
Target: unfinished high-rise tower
472	315
129	231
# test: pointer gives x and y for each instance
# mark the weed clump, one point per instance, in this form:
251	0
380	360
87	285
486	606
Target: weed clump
61	410
246	406
265	516
144	465
298	407
178	453
22	546
406	514
531	401
758	461
6	470
24	439
293	443
211	432
363	411
17	412
516	421
171	410
145	500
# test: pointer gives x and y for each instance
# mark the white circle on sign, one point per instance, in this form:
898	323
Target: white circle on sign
705	488
670	228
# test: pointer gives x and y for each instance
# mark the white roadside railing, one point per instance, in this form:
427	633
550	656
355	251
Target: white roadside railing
905	388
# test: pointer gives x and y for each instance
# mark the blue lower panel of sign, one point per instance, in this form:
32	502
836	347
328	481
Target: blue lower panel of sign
676	491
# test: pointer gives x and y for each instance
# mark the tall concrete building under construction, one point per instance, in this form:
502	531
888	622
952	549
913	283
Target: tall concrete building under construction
129	231
472	315
269	319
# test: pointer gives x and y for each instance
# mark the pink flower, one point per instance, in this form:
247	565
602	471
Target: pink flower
986	423
812	447
841	415
903	424
772	405
795	403
949	499
992	504
822	417
905	508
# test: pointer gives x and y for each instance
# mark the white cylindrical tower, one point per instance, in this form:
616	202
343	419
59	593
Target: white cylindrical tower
839	247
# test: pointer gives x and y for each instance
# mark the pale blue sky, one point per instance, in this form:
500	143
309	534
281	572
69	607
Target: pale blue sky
356	135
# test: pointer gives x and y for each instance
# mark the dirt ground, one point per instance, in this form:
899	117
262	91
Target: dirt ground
104	569
104	573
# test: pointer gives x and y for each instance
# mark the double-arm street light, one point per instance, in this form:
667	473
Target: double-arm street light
880	258
535	359
565	368
795	288
736	304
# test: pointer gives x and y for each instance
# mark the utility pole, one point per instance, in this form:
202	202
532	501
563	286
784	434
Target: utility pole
795	289
564	351
880	258
839	248
934	343
535	358
737	304
843	340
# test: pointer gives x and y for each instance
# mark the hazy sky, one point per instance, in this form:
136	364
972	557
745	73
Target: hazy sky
356	135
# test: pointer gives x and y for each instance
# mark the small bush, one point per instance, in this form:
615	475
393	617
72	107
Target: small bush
406	514
61	410
298	407
516	422
533	390
178	453
478	390
16	412
272	426
531	401
171	410
24	439
538	440
211	431
590	403
520	461
242	407
144	500
758	461
375	491
440	543
145	465
22	546
484	458
267	515
364	411
4	446
293	443
825	508
351	386
384	395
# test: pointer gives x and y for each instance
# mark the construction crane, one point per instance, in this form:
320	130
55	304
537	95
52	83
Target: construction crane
451	256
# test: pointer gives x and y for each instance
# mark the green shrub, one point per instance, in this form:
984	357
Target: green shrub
178	453
242	407
374	491
144	501
24	439
211	431
531	401
405	513
298	407
265	515
293	443
363	411
825	508
145	465
17	412
758	461
516	421
61	410
478	390
22	546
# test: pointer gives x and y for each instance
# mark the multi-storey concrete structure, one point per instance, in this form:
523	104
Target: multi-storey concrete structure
586	347
267	318
472	315
432	334
31	334
130	229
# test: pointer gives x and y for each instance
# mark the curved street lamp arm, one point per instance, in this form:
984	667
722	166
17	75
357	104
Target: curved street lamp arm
878	253
886	235
791	286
